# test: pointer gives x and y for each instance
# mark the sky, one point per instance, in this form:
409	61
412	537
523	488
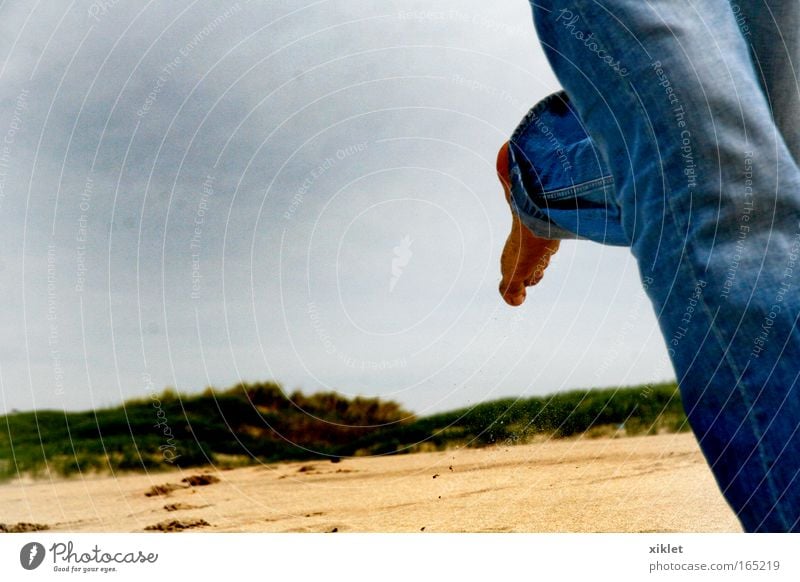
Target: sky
200	193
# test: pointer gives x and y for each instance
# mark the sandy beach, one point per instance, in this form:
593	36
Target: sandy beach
637	484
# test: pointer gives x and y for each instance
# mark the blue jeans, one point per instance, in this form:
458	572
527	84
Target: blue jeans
677	135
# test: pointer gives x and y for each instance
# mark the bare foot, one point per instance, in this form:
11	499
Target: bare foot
525	256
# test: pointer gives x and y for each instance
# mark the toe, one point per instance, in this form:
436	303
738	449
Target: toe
513	294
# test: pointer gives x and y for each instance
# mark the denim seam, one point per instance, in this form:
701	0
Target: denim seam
574	190
754	426
532	216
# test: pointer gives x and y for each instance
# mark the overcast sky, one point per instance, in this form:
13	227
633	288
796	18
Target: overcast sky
198	193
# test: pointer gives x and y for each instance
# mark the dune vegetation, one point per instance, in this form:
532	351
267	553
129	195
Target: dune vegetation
251	423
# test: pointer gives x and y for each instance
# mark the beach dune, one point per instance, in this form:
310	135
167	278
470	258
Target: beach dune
633	484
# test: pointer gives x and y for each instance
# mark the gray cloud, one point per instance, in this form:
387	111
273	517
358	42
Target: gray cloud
207	193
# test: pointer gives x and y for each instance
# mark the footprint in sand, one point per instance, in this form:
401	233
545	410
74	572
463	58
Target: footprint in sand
174	525
191	481
22	527
183	506
199	480
164	489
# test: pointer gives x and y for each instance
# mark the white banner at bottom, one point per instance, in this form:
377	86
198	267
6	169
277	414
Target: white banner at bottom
401	557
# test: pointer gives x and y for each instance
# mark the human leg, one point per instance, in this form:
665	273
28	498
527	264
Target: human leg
710	197
551	150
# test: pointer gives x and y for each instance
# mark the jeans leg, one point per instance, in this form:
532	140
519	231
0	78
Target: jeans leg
553	130
560	186
772	30
710	200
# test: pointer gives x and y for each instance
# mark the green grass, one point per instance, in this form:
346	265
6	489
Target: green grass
259	422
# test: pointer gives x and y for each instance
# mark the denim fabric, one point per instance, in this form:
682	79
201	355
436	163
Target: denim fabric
556	170
692	108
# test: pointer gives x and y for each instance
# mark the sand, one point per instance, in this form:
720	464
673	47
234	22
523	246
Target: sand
635	484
